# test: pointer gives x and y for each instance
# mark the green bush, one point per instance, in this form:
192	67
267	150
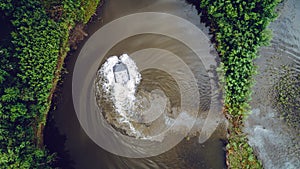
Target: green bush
28	67
239	28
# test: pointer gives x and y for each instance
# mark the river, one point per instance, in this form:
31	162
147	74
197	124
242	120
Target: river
202	147
276	140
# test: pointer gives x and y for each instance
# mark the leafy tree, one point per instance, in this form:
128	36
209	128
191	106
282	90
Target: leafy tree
29	59
239	28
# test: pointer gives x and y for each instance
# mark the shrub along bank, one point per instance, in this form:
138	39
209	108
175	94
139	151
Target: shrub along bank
31	59
239	28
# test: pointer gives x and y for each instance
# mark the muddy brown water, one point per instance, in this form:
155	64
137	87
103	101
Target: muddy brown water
64	135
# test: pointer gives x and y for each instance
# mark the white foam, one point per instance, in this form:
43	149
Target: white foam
134	110
123	96
273	140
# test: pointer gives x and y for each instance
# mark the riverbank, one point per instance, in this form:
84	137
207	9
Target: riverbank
273	125
237	139
73	36
24	105
238	30
32	56
71	145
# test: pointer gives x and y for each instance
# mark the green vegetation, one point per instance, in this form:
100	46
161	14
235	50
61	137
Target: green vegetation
239	28
286	97
239	152
31	59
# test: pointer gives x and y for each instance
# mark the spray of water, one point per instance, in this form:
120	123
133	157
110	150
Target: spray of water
121	95
130	111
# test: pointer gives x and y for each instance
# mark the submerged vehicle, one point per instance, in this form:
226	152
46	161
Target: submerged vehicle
121	73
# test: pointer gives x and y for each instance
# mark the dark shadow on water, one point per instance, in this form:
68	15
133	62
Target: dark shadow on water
196	3
55	143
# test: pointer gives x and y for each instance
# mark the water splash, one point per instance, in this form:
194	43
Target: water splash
275	141
121	95
136	113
